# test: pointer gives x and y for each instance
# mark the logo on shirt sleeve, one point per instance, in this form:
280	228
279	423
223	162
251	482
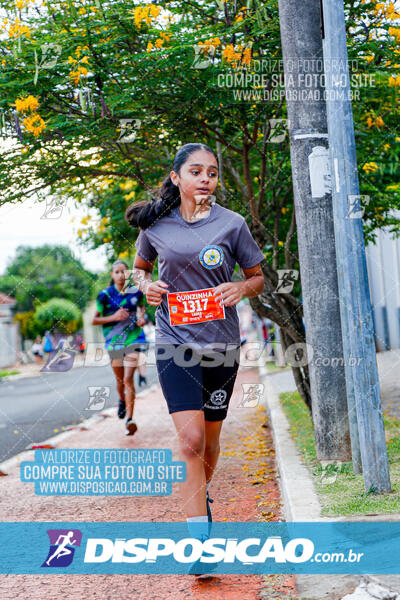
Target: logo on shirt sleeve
211	257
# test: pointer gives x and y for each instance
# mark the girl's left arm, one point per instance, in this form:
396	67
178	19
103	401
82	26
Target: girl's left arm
254	282
232	292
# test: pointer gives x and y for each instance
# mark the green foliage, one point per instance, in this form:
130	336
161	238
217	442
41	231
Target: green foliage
59	315
340	491
36	275
118	63
29	328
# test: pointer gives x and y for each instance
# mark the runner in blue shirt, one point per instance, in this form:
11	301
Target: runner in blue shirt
198	243
123	336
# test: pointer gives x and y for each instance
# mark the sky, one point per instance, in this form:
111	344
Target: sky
21	224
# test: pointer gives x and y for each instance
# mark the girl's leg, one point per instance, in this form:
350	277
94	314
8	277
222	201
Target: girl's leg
118	369
142	363
190	428
212	448
130	364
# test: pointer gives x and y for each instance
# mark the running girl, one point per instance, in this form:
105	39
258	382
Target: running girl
116	312
198	243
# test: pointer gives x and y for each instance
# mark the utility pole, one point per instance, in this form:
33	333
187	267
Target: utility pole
356	310
300	25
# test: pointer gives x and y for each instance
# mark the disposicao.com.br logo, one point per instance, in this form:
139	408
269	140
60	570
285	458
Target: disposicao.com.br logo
229	547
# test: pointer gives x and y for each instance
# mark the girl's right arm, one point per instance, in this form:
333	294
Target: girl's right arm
142	276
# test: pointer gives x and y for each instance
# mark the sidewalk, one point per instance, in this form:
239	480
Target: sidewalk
306	507
244	488
33	370
388	369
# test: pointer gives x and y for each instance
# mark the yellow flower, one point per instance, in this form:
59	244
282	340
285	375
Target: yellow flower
34	123
128	185
371	167
30	103
386	146
391	12
154	10
395	31
149	46
394	80
379	122
76	75
85	220
82	11
145	13
229	53
123	254
393	187
158	43
130	195
17	29
247	56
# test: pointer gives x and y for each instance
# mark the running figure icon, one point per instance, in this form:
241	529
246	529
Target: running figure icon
62	549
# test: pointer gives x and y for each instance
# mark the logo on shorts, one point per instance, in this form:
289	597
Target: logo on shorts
211	257
218	397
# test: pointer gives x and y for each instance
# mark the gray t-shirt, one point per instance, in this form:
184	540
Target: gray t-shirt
195	256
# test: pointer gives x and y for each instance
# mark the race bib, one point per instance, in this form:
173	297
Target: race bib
194	306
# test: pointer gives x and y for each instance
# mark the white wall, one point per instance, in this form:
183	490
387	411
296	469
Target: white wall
383	264
8	344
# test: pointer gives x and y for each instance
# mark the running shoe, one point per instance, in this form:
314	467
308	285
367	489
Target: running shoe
130	427
199	568
121	409
208	500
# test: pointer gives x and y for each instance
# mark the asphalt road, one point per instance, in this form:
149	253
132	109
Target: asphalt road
33	409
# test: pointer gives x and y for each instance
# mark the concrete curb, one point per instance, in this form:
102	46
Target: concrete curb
293	474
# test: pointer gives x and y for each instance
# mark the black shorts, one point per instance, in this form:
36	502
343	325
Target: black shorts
199	386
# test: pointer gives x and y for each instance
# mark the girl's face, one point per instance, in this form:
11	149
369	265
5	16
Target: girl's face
198	175
118	273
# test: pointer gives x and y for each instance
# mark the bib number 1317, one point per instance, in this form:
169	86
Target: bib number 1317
194	306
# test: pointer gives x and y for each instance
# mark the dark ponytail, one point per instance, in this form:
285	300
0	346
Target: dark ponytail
143	214
117	262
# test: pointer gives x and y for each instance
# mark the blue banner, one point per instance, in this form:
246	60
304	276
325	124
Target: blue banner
170	548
